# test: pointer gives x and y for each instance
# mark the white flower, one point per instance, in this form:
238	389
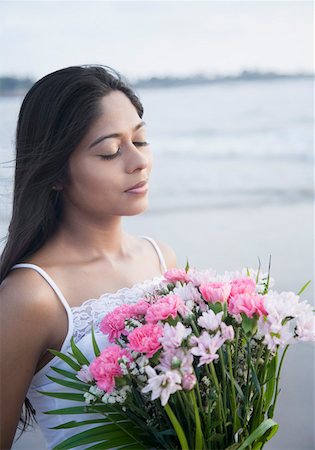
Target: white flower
173	336
96	391
227	331
209	320
142	361
187	292
207	347
162	386
89	398
199	277
84	374
305	327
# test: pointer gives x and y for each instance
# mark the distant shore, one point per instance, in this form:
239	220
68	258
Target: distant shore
14	86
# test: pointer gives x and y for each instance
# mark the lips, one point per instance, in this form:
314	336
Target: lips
142	183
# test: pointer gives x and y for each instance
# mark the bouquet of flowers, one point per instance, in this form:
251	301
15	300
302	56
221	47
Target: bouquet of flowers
194	364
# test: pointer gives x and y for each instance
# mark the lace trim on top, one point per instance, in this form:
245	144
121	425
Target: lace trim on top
93	310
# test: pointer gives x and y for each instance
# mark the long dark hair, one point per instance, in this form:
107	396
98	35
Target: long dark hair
55	115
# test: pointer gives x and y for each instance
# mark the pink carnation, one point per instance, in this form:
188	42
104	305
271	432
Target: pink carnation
105	367
249	304
165	307
174	274
242	286
215	292
113	323
139	308
145	339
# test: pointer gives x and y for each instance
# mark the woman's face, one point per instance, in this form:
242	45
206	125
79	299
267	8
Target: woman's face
96	186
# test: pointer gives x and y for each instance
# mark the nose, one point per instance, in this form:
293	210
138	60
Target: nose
137	158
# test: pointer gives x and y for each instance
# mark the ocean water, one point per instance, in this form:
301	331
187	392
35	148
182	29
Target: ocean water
238	144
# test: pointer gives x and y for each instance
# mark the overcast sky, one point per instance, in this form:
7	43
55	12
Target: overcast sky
145	38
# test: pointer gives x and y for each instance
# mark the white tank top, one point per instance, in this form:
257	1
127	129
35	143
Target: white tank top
80	319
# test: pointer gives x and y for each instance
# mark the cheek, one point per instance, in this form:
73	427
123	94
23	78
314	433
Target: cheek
90	177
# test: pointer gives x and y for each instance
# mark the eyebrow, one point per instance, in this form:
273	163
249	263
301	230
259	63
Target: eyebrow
115	135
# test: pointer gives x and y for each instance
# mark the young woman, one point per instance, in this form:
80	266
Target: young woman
82	162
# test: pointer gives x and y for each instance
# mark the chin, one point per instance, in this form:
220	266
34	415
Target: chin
135	210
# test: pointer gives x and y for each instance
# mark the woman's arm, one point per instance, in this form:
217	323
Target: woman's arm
25	324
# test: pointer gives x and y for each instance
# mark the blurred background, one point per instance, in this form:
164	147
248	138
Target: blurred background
228	95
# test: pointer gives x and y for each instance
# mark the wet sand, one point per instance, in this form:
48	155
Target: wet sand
229	239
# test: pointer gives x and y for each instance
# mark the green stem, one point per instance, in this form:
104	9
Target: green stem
198	435
177	427
219	402
236	349
223	379
185	407
233	396
194	327
277	381
248	384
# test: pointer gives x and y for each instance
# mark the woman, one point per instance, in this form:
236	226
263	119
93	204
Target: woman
80	151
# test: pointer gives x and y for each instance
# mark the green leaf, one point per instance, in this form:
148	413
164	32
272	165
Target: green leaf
100	446
254	377
66	359
65	373
263	432
304	287
237	386
65	395
270	385
87	409
75	423
96	349
78	386
111	431
248	324
187	265
119	440
78	354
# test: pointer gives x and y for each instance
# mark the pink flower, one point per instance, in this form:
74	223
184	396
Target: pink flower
215	292
189	380
145	339
105	368
113	323
242	286
249	304
166	306
174	274
139	308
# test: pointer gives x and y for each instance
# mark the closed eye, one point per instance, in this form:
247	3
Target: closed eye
137	144
141	144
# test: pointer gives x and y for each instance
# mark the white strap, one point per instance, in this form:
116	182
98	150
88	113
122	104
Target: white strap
49	280
157	248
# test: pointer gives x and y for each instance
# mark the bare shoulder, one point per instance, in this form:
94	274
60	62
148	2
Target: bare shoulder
168	253
26	296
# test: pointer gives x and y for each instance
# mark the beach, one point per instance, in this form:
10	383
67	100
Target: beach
232	181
